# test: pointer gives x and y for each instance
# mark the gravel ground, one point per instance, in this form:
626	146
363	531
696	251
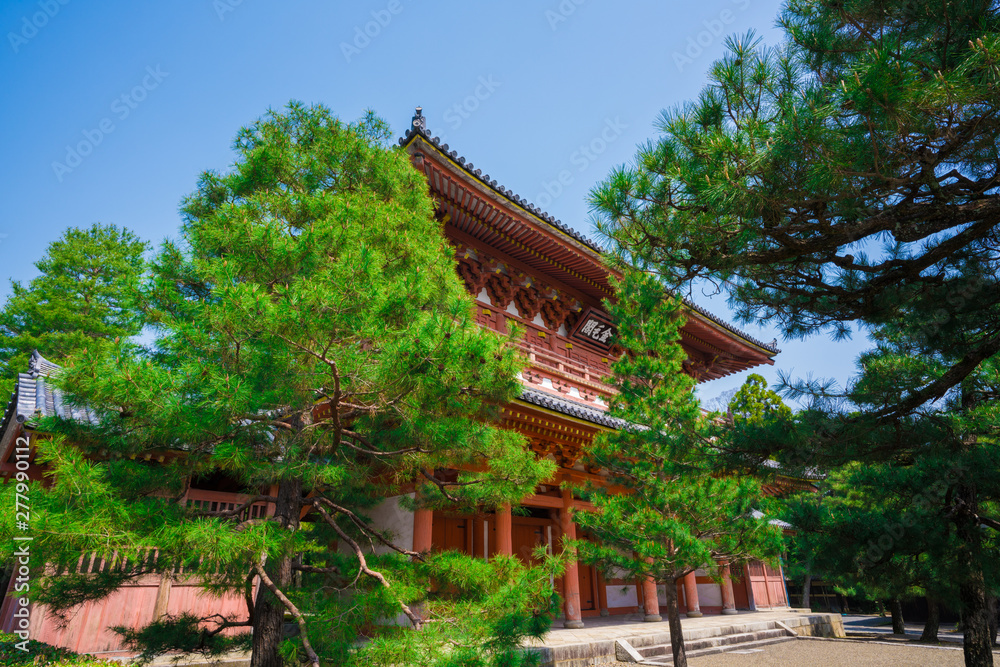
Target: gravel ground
804	652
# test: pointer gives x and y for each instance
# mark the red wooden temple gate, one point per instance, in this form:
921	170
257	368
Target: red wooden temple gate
522	266
525	267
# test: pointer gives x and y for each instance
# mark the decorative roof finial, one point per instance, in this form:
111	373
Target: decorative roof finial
419	122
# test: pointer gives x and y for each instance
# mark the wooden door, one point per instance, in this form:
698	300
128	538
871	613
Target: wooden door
528	534
775	586
588	597
766	585
758	584
740	596
451	533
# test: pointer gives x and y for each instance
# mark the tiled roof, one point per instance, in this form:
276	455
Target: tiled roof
35	396
571	408
770	347
757	514
808	473
418	127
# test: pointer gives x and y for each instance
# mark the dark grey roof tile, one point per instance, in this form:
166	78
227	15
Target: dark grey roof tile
35	397
418	127
571	408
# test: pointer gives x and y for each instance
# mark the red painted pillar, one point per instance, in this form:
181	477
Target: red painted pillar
571	580
423	526
650	601
691	593
505	538
728	598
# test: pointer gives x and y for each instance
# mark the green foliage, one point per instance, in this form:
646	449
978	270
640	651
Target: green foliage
843	176
904	508
754	403
186	633
43	655
478	614
314	348
849	179
676	510
83	296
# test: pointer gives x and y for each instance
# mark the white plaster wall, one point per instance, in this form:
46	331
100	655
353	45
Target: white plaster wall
622	596
389	516
709	595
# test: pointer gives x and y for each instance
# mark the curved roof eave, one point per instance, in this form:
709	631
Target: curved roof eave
418	129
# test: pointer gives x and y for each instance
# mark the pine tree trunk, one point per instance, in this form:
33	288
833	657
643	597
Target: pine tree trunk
269	613
674	622
806	589
898	627
978	643
930	633
977	640
992	599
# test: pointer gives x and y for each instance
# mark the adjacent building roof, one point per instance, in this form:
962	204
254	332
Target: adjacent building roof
35	396
784	525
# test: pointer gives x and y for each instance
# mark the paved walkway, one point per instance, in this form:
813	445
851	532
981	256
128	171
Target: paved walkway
836	652
882	625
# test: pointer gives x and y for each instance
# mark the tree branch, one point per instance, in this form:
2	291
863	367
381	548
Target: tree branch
292	609
363	565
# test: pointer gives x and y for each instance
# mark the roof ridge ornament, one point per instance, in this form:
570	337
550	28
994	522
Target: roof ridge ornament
35	364
39	366
419	122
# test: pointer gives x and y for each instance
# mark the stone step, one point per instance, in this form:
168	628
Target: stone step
668	658
717	640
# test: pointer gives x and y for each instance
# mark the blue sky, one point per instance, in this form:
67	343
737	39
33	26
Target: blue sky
111	110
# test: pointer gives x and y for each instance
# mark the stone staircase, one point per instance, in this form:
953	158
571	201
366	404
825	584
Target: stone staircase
662	654
610	641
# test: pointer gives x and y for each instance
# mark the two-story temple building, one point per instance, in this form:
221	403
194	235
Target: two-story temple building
521	265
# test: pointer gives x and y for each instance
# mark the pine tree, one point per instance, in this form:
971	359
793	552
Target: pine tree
755	403
850	178
874	531
835	178
83	296
672	512
924	489
314	349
